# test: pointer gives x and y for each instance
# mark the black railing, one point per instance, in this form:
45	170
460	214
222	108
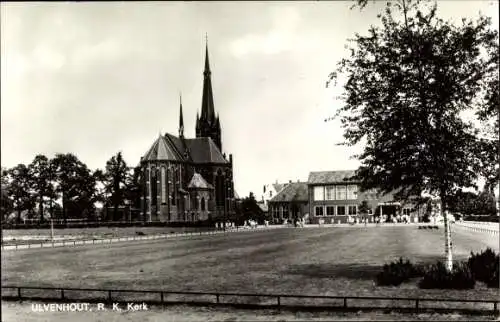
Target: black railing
105	240
277	300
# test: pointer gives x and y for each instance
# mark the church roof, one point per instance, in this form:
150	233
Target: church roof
330	176
204	150
295	191
172	148
162	149
198	182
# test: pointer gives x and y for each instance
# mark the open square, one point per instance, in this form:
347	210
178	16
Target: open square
316	261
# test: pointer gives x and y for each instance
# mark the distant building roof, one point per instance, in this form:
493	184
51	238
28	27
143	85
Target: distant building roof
295	191
330	176
263	206
279	186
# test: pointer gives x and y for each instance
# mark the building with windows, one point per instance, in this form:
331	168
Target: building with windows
334	197
290	203
270	191
189	179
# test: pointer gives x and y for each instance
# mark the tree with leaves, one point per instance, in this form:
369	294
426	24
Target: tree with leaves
19	190
116	178
41	174
406	84
75	185
7	206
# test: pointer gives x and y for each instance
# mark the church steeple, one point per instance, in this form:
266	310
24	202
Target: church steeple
207	103
181	118
207	124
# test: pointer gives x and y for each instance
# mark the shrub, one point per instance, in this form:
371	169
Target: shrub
484	266
397	272
438	277
494	281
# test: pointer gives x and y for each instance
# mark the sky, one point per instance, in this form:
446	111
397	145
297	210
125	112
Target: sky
96	78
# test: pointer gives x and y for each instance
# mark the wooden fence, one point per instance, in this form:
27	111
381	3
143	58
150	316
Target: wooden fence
413	304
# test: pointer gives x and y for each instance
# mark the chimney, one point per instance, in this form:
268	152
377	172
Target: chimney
289	181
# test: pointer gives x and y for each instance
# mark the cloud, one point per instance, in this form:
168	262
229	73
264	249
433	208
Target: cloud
279	39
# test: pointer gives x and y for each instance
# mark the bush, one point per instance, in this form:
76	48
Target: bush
438	277
484	267
494	281
397	272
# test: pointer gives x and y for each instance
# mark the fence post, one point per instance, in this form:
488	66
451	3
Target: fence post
109	296
345	302
495	307
74	242
217	295
161	297
416	304
19	292
279	300
62	294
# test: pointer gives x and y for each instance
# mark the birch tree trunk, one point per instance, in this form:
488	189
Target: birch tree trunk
447	237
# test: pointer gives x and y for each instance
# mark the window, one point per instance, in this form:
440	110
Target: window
154	187
285	212
203	204
318	210
340	210
330	193
352	192
341	192
163	187
319	193
173	198
330	210
270	193
353	210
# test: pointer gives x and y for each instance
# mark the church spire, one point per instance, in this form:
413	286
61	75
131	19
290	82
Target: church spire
207	64
181	118
207	125
207	103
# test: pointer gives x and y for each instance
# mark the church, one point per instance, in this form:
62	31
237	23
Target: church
189	180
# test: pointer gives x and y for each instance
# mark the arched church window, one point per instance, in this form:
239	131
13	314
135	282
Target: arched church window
154	186
219	188
203	206
163	186
195	202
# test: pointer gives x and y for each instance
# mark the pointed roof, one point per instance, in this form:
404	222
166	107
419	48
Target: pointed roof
181	118
162	149
198	182
200	150
204	150
295	191
207	103
207	64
